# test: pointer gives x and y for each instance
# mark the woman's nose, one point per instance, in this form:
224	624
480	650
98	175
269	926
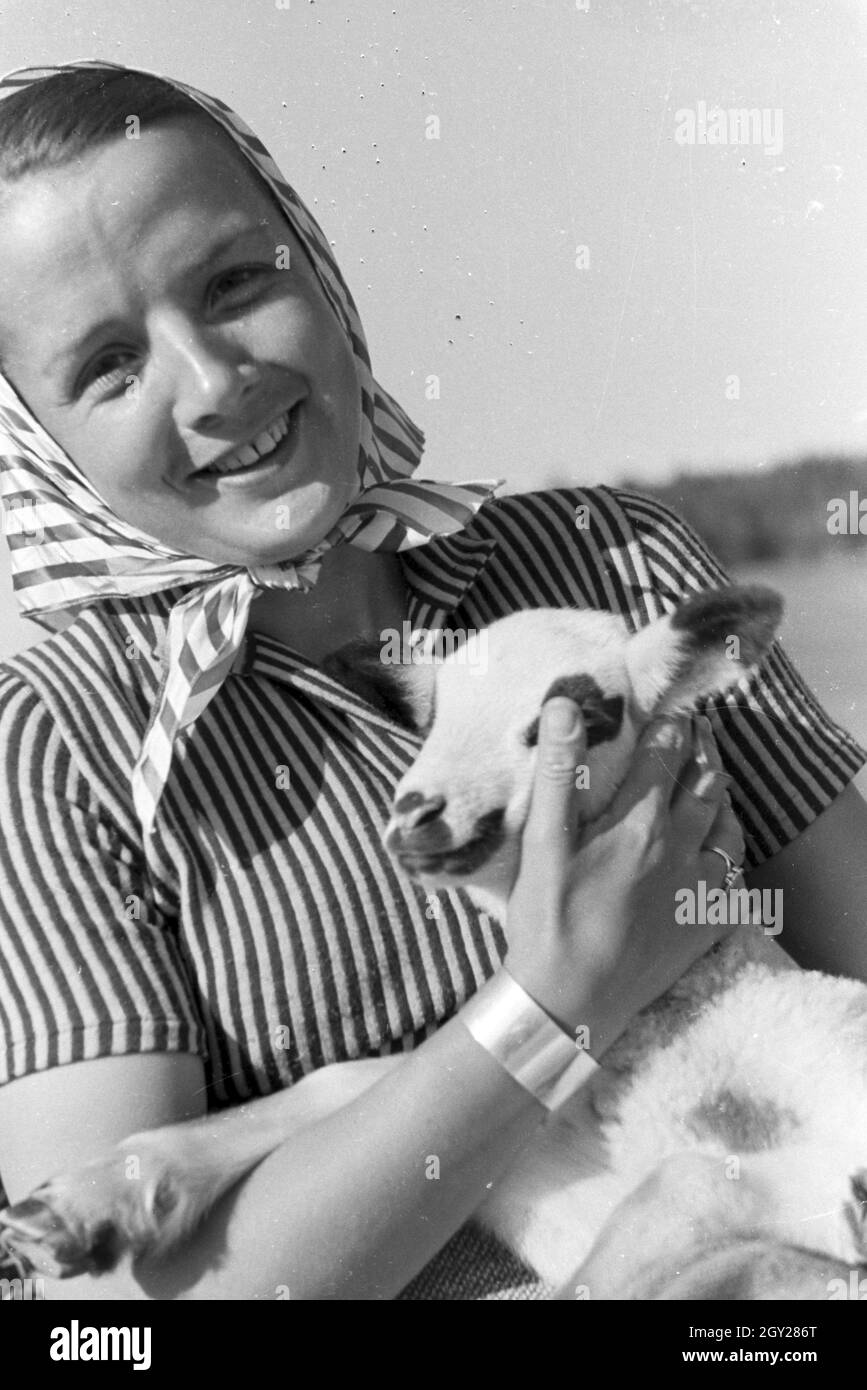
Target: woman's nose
210	376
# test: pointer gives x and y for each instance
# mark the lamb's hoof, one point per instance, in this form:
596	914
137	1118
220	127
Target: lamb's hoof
86	1221
39	1238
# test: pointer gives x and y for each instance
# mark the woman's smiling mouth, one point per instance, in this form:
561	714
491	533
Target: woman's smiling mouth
268	451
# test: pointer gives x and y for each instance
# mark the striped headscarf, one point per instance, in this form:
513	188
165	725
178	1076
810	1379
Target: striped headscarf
68	547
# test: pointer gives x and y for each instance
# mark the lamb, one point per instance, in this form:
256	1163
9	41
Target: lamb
747	1081
729	1118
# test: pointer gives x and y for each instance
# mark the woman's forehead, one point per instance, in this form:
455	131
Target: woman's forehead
187	160
182	174
136	214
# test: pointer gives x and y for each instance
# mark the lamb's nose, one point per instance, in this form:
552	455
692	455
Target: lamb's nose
416	810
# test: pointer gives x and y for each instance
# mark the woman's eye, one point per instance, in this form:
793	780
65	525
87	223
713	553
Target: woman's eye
110	371
242	284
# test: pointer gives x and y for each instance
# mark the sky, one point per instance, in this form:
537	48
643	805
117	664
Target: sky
559	280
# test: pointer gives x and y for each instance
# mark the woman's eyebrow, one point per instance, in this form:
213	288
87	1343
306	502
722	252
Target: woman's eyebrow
226	242
212	253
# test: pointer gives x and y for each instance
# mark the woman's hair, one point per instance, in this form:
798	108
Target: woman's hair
60	118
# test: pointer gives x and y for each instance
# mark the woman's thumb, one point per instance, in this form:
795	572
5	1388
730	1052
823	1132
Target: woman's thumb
560	754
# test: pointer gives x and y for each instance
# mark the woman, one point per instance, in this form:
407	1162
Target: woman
196	916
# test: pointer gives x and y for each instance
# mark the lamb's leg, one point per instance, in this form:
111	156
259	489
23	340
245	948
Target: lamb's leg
685	1209
738	1271
154	1187
789	1221
756	1271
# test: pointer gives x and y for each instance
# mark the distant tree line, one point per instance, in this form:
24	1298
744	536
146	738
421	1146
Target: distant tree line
783	511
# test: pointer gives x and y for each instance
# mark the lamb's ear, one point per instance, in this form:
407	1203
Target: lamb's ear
402	691
705	645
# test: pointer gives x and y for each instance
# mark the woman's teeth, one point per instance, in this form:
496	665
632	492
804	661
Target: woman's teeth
249	454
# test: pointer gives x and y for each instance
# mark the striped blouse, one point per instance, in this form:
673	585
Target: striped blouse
263	927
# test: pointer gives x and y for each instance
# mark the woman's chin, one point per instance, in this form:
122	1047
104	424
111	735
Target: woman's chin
289	531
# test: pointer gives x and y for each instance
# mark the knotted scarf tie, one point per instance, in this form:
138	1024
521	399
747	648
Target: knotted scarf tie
68	547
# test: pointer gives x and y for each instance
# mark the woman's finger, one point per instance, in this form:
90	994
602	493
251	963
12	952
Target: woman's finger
726	834
561	750
705	773
655	773
695	809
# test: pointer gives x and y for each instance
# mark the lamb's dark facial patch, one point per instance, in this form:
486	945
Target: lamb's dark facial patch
603	714
751	613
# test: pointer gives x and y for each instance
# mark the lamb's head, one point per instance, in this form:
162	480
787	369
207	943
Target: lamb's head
459	811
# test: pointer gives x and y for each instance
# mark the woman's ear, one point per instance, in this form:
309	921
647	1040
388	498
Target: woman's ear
403	691
707	644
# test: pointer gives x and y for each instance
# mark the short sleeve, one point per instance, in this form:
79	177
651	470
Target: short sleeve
788	758
90	964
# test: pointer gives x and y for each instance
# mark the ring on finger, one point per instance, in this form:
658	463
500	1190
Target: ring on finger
733	871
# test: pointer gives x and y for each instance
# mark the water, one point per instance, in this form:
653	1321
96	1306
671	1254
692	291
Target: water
825	631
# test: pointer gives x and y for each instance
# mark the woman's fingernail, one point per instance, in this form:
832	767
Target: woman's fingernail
560	717
705	786
667	733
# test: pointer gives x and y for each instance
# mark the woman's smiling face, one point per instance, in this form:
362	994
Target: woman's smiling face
150	323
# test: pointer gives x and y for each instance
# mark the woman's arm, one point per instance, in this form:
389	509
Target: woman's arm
346	1207
342	1210
823	878
55	1120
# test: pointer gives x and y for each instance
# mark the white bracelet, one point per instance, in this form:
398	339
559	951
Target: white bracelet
527	1043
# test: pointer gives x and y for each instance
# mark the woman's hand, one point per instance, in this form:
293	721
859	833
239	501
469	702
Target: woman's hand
591	919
